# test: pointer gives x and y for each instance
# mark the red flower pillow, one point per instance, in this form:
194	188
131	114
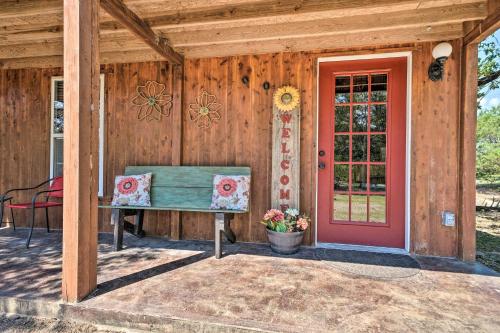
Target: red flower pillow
231	192
132	190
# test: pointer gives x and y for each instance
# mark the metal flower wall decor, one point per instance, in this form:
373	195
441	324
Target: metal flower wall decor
286	98
205	110
152	100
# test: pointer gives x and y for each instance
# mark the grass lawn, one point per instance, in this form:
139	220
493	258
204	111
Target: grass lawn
488	228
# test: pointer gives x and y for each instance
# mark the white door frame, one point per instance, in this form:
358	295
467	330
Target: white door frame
408	55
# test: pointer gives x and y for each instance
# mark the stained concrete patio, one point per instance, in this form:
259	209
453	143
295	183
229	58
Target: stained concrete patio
158	285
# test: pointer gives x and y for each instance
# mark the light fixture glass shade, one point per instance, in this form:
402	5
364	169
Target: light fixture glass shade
442	50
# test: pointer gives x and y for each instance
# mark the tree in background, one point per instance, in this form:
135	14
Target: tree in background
488	119
489	67
488	145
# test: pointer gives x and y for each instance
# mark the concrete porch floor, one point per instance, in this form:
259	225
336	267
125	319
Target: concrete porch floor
166	286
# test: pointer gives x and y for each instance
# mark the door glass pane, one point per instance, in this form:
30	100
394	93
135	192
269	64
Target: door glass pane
359	171
379	87
342	119
58	107
377	178
360	88
58	157
377	148
341	207
342	89
359	208
341	176
377	208
378	118
341	148
360	118
359	148
359	178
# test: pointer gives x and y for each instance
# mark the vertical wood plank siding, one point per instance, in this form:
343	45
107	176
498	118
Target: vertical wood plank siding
241	137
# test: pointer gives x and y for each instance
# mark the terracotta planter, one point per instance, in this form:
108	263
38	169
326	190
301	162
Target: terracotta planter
285	242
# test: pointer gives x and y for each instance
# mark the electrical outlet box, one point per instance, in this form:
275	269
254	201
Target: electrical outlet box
448	219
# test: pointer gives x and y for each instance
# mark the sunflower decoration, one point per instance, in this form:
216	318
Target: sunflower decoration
205	110
152	101
286	98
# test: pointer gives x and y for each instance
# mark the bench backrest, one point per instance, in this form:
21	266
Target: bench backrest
188	187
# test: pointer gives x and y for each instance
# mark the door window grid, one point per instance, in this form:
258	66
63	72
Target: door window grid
353	196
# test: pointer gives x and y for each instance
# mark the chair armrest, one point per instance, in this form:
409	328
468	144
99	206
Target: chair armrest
27	188
33	200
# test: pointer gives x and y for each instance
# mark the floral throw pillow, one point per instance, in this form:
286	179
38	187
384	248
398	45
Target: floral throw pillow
231	192
132	190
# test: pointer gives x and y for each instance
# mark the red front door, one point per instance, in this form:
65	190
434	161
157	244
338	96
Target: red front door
362	138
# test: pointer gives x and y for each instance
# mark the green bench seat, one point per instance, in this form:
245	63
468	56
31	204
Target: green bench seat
178	188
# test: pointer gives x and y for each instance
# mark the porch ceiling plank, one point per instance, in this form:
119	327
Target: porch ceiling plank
112	50
104	57
134	23
404	19
329	27
27	8
391	36
123	42
18	9
277	11
178	15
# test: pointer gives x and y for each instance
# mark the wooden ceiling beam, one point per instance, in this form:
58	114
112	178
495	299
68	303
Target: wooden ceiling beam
141	29
484	28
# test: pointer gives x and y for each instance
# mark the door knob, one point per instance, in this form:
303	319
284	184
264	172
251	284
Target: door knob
321	165
321	153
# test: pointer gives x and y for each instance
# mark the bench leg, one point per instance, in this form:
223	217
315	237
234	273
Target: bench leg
138	221
222	227
227	228
117	220
219	229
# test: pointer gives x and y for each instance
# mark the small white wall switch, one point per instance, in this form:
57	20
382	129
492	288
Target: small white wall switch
448	218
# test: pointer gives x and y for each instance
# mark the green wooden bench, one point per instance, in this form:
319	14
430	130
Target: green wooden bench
178	188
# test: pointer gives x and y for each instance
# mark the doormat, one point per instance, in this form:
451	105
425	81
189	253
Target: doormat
375	265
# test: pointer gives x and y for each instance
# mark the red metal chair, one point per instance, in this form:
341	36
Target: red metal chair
55	190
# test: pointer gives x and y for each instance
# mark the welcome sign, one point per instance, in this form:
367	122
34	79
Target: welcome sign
286	149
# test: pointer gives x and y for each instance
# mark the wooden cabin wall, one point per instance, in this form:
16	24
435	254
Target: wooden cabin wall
130	141
435	152
25	136
241	137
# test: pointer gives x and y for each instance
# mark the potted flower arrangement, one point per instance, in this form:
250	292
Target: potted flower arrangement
285	230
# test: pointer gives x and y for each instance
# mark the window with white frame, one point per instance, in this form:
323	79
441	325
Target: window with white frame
57	130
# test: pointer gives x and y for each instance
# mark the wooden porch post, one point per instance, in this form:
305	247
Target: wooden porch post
467	167
81	99
178	89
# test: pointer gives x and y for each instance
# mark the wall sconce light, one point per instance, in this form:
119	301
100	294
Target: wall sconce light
440	53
